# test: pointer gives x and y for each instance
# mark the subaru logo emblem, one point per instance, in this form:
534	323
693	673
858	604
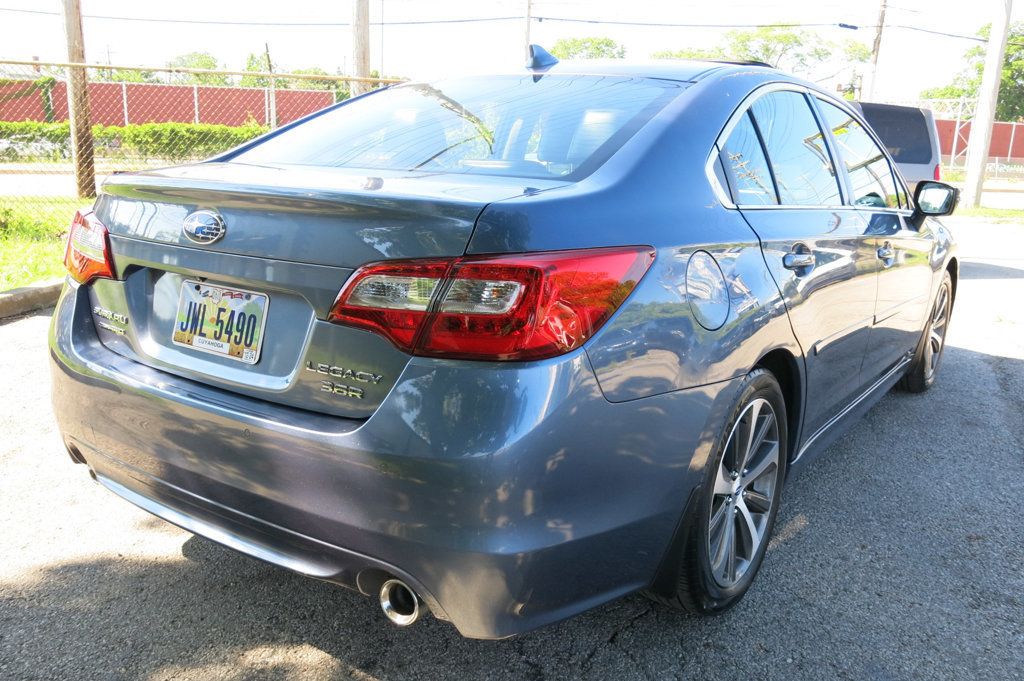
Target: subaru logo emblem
204	226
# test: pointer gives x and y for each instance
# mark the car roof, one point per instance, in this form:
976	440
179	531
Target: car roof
684	70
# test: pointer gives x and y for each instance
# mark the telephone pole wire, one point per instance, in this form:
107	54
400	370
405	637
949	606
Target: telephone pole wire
988	97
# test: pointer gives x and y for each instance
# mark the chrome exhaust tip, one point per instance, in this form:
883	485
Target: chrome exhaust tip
400	604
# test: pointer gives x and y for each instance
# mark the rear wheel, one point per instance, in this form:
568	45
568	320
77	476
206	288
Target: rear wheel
723	549
925	366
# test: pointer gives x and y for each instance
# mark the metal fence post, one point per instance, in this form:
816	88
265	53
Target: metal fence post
272	105
195	103
273	90
956	133
124	101
1009	150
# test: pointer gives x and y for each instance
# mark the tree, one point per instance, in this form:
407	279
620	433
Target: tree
789	49
339	87
257	62
692	53
312	83
197	60
588	48
127	76
1010	106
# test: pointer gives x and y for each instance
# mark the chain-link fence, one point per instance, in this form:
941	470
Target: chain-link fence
139	118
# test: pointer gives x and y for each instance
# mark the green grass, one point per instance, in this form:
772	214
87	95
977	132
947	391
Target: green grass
38	218
996	214
953	174
31	237
24	262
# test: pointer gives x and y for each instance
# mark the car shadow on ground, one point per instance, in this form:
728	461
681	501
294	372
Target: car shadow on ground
858	582
981	270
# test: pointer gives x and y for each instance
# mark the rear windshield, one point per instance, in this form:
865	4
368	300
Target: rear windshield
903	131
524	126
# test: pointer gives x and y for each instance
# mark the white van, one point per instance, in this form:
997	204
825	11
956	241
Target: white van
910	135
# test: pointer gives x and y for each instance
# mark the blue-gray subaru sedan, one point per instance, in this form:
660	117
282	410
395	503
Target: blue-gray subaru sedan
504	348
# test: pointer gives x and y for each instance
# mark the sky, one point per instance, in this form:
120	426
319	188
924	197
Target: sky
909	61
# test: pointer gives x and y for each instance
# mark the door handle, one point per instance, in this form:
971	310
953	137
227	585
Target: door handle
798	261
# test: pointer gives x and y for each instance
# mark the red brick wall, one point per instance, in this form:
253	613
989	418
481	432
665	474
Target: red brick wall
105	105
163	103
231	106
999	146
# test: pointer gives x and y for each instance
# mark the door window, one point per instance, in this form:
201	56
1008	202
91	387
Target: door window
750	180
871	178
799	159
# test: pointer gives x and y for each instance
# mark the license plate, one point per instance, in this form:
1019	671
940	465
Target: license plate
219	320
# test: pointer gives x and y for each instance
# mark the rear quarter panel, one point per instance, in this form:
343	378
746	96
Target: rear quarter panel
655	192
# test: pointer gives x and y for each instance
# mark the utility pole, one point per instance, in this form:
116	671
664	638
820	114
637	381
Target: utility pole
529	18
272	94
988	96
78	102
875	48
361	45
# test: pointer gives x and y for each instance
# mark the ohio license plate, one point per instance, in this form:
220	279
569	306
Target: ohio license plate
219	320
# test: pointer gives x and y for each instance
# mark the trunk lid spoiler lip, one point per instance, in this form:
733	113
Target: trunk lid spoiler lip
306	185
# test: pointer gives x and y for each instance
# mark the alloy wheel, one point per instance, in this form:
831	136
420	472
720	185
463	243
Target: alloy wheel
744	493
937	330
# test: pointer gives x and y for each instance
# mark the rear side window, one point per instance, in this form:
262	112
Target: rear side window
871	178
803	170
750	180
524	126
903	131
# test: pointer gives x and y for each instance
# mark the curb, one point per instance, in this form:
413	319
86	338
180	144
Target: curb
27	298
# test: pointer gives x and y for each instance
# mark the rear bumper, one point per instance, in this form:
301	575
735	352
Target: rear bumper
508	495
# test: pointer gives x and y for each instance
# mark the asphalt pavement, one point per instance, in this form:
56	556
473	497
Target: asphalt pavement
898	555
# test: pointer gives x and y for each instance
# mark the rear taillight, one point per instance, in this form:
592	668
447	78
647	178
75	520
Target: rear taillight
937	175
87	255
514	307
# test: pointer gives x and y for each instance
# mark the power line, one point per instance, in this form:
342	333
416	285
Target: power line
471	20
308	24
975	38
299	24
613	22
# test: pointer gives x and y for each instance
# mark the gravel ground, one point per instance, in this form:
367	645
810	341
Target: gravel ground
897	555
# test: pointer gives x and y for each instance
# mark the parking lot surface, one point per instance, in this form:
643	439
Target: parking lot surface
898	555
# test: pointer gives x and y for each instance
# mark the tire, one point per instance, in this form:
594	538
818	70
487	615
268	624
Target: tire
703	584
921	374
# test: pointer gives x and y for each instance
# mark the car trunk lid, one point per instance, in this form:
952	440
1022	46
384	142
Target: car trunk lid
292	234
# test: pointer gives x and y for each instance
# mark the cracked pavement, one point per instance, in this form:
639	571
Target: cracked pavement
897	554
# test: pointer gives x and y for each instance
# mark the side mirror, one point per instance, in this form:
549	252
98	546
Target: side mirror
935	198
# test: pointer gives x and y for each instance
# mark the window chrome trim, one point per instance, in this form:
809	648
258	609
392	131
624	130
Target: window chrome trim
793	206
781	86
844	106
720	192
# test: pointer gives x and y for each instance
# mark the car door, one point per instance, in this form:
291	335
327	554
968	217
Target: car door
903	251
781	175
